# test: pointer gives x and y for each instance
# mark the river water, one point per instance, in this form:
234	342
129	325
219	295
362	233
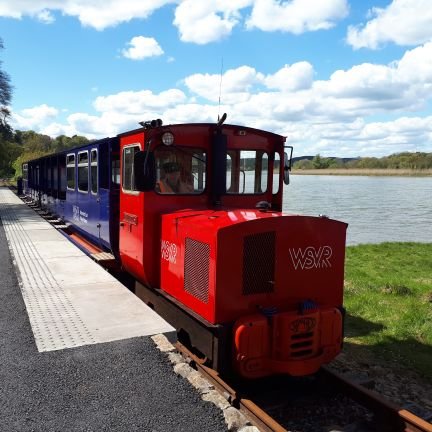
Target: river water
377	209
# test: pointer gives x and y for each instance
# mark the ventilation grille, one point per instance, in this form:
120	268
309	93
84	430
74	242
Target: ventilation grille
196	269
302	345
259	263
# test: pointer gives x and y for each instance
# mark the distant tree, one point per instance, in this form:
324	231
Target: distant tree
319	162
405	160
34	145
5	99
63	142
303	164
9	151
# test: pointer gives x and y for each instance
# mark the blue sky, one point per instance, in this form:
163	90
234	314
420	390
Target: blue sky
337	77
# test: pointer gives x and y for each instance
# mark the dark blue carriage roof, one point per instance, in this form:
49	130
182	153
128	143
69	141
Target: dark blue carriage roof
108	141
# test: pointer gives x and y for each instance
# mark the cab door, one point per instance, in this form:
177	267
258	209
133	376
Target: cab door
131	211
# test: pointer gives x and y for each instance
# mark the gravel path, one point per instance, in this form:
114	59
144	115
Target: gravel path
119	386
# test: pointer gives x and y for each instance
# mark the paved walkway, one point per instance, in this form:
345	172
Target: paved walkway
122	385
71	301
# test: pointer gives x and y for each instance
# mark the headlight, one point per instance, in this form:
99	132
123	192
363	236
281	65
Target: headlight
168	138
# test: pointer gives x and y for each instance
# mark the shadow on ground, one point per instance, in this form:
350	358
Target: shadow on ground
408	353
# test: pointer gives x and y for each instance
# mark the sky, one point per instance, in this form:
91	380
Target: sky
342	78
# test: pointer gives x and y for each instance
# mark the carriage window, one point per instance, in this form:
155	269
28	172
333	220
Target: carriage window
115	170
128	179
247	171
276	172
25	176
49	177
70	171
62	176
180	170
83	171
54	175
94	171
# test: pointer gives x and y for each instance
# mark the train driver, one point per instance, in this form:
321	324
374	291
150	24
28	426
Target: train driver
171	182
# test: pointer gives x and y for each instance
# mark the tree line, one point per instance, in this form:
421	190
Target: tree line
21	146
404	160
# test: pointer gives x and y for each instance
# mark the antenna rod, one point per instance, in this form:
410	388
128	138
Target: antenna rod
220	88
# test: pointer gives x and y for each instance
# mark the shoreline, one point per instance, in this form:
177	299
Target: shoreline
365	172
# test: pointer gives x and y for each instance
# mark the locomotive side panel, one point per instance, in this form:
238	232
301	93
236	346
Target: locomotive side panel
131	217
188	258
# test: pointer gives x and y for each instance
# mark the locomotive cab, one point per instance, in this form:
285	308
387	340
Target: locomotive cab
201	225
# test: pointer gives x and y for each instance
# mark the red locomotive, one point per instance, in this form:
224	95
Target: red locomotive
197	221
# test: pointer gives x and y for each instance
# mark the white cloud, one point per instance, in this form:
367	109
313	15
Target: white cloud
403	22
31	118
45	16
139	102
141	47
235	84
198	21
202	22
98	14
333	116
416	66
295	77
296	16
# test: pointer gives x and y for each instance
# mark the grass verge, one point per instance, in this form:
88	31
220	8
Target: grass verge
388	297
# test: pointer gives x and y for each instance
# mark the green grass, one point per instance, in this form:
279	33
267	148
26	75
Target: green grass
388	297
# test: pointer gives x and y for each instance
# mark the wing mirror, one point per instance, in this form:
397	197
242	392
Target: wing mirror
287	164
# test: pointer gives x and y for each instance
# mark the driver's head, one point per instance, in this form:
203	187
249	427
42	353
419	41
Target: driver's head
171	167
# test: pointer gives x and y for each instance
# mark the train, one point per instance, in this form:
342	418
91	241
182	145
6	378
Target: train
193	212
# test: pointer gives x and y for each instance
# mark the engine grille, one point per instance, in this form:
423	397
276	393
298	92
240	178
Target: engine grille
259	263
196	269
301	345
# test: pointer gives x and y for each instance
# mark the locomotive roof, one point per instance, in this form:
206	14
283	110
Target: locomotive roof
209	125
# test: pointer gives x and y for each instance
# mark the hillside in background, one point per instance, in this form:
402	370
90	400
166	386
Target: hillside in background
405	160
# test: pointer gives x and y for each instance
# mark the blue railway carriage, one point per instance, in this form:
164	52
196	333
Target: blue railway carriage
81	186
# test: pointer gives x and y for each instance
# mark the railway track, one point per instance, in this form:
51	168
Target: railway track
309	404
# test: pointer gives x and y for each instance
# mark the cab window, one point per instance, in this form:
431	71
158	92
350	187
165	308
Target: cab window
276	173
180	170
128	178
247	172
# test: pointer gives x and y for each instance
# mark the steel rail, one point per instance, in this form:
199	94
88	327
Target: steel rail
394	418
252	411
